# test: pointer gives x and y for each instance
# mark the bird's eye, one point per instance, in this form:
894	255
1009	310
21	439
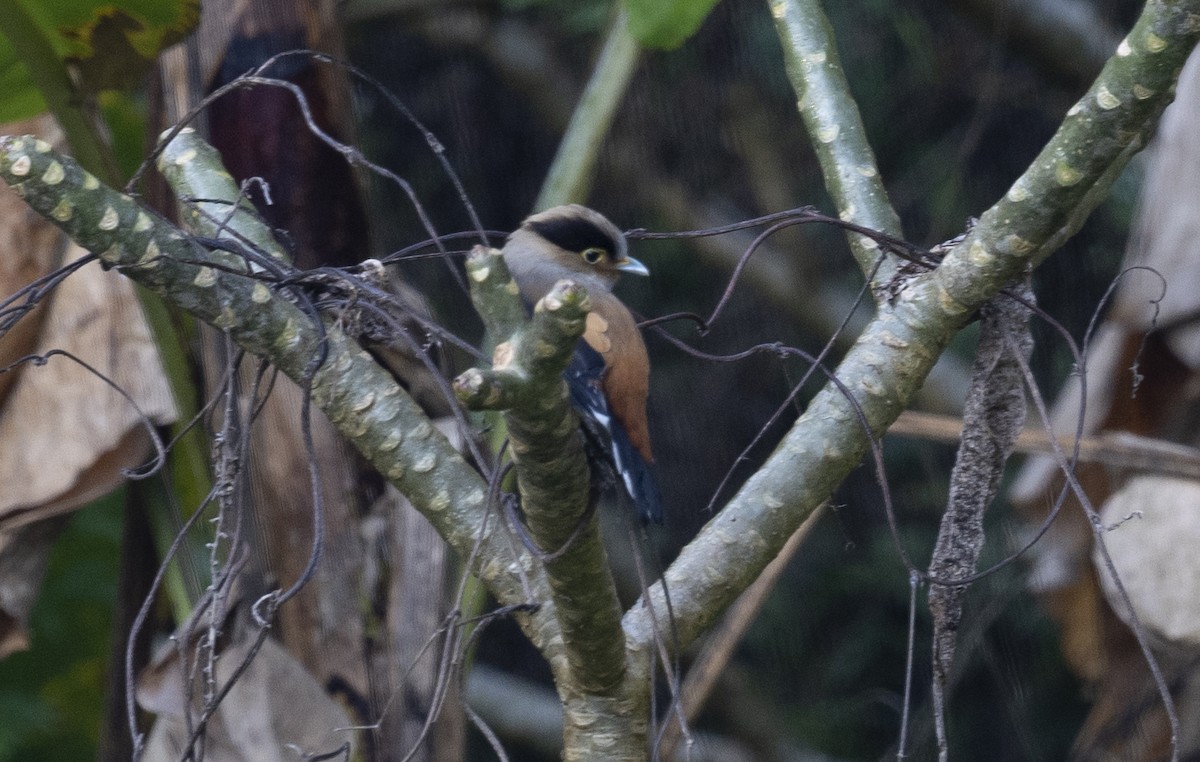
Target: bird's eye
592	255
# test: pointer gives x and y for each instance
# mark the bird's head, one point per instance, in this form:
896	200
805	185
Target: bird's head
571	240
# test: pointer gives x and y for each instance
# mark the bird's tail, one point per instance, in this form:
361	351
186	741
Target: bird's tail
637	477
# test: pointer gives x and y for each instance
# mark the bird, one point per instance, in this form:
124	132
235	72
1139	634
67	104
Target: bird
609	374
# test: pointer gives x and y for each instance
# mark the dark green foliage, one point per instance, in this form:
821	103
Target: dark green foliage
50	694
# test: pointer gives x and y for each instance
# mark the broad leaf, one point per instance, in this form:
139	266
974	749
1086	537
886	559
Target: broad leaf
106	45
666	24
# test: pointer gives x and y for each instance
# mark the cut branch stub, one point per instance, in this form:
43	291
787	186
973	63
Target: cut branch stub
494	292
527	365
526	381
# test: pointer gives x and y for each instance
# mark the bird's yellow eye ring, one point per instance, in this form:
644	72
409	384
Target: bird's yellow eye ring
592	255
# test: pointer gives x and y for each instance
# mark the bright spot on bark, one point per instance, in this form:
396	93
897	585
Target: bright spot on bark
1018	193
480	274
206	277
64	211
227	319
391	442
421	431
440	501
260	294
20	166
54	174
1066	175
819	57
425	463
289	335
1017	244
866	170
142	223
978	254
1123	49
948	303
503	355
872	387
109	220
384	411
41	146
185	156
1154	43
829	134
1106	100
1141	92
365	402
90	182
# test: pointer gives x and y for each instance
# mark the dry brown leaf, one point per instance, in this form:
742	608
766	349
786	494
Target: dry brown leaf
275	712
1154	530
29	248
65	435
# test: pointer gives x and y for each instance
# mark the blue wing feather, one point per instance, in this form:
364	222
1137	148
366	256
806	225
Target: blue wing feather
584	376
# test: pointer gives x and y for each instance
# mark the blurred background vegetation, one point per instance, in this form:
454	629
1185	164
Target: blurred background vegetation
956	97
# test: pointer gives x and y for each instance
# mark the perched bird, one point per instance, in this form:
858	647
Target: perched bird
609	376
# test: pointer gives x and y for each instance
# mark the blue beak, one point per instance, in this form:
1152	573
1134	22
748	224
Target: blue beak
632	266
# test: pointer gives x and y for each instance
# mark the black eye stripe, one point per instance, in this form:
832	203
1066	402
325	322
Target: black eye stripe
574	234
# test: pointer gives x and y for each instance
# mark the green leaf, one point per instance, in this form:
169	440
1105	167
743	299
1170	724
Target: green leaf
108	45
114	47
666	24
18	97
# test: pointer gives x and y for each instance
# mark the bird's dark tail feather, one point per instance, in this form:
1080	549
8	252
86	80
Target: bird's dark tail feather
606	436
637	477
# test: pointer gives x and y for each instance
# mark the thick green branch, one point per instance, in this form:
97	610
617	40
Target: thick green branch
210	202
893	356
881	372
358	396
1074	172
552	469
835	126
